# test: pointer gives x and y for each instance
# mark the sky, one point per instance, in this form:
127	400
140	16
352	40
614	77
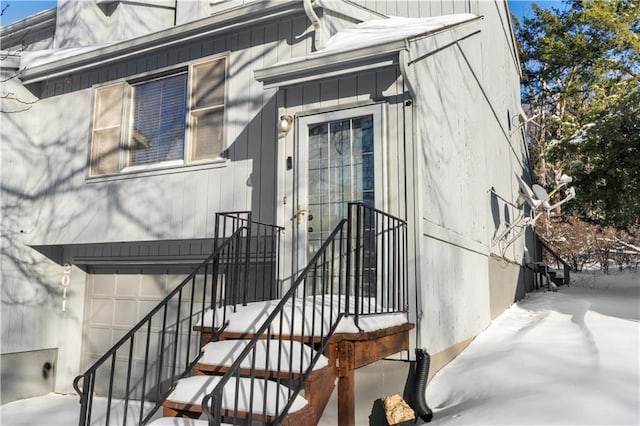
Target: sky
19	9
14	10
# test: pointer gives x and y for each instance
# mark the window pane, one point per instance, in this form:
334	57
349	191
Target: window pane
208	84
208	132
159	120
105	150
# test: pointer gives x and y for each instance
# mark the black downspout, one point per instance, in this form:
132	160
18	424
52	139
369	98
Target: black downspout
423	361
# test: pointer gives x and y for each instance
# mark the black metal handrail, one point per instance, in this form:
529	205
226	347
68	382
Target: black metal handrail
261	272
377	242
566	267
278	329
164	346
359	270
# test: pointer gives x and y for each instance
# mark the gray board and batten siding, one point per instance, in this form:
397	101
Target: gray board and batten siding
187	198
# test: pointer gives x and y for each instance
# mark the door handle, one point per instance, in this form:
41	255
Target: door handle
299	213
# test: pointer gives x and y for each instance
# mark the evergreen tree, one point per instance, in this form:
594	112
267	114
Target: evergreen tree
581	81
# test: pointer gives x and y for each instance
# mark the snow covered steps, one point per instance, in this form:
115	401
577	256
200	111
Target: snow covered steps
282	360
289	358
261	400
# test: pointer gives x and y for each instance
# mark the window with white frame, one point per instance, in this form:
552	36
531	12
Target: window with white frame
168	119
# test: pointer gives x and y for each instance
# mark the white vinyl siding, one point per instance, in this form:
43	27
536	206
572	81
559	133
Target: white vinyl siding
173	118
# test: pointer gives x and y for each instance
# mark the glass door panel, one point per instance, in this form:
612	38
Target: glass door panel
340	169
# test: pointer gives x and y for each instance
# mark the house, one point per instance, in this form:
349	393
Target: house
131	124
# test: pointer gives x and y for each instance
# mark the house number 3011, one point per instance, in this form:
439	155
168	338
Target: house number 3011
65	280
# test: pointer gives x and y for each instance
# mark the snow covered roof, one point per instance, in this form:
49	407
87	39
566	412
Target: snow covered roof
380	31
36	58
61	62
371	39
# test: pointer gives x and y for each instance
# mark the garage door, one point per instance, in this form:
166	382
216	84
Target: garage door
114	303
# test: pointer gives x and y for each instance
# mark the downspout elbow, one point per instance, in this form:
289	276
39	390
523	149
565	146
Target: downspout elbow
316	22
404	69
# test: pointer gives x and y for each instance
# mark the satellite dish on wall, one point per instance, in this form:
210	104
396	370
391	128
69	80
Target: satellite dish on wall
538	199
526	194
541	194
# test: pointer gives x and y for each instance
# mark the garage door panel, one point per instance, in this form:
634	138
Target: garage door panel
116	302
100	341
200	288
126	313
173	280
152	286
127	285
101	311
102	285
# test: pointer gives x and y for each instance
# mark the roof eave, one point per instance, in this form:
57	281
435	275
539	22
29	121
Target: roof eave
226	21
43	18
315	67
331	65
21	28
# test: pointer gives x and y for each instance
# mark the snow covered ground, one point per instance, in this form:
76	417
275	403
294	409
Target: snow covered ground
565	358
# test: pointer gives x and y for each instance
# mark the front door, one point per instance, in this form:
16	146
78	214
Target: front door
339	162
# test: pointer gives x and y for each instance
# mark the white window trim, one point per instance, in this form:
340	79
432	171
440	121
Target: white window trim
164	167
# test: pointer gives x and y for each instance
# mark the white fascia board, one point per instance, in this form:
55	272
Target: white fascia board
324	66
241	17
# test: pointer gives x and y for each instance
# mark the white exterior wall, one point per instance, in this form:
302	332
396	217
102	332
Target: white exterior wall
190	10
468	86
83	23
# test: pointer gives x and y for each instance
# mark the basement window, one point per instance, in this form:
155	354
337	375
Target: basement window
162	120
